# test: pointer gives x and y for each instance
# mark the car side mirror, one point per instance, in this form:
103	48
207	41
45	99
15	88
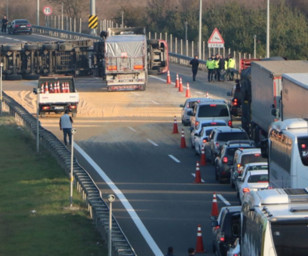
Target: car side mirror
35	90
181	105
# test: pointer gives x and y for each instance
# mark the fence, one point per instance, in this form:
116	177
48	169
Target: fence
98	209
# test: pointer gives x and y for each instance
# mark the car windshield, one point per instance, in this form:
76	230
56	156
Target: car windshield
225	136
258	178
213	110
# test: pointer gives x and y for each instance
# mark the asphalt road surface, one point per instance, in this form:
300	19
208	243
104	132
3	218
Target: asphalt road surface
129	137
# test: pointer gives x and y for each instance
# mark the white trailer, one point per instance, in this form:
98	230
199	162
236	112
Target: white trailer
126	62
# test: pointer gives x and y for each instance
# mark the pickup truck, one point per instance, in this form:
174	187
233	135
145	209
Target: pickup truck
56	94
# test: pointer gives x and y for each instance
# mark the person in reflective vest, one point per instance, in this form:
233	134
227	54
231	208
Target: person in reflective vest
231	66
210	64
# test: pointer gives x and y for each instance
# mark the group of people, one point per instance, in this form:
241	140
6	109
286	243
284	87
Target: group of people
219	68
4	22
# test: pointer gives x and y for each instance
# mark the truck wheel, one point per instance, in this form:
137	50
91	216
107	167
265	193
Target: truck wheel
31	47
31	76
13	77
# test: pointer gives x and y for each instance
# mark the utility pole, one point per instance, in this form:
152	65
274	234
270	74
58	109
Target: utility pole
200	30
268	30
37	12
92	13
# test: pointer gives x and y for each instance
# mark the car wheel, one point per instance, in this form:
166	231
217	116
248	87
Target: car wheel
50	47
31	47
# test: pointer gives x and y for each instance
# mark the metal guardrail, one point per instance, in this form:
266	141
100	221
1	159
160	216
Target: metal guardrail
98	209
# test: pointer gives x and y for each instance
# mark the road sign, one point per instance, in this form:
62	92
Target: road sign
47	10
216	40
93	21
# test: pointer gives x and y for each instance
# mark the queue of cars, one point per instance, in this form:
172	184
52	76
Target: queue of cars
236	158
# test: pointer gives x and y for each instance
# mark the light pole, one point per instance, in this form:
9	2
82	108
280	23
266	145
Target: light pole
255	46
1	94
200	29
7	9
62	16
111	199
122	24
37	12
268	30
72	168
186	23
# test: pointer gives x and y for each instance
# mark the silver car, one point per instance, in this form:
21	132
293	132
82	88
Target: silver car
187	109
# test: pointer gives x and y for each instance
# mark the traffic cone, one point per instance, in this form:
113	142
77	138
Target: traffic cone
180	85
214	212
67	87
51	89
206	95
177	81
42	88
168	77
203	157
46	88
199	244
175	126
183	142
197	174
187	91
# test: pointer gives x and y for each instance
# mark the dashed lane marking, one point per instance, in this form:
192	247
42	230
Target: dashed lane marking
131	128
152	142
226	202
129	208
174	159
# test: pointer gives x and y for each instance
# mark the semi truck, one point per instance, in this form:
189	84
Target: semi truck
261	88
56	94
126	60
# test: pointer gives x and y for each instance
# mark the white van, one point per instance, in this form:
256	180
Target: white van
288	153
274	223
209	110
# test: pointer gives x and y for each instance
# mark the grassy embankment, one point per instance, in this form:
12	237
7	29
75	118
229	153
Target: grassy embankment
35	218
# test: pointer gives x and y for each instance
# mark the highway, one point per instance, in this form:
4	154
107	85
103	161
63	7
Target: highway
128	135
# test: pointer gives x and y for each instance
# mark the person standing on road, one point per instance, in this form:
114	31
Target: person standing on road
4	24
65	123
210	64
194	66
170	251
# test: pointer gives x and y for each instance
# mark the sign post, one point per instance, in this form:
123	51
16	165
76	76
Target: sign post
215	40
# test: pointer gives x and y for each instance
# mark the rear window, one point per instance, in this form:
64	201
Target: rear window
252	158
225	136
257	167
258	178
21	22
213	110
230	152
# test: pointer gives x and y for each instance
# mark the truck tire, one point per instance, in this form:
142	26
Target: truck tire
49	47
14	77
31	47
15	47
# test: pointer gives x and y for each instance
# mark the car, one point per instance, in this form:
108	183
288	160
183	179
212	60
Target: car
221	135
196	132
187	109
253	181
224	161
210	109
19	26
242	157
235	103
226	229
239	177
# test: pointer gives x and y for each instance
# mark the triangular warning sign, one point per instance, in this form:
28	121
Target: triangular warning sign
216	38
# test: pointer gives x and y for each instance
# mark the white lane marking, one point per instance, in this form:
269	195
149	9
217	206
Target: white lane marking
131	128
129	208
226	202
152	142
174	159
137	94
193	174
155	102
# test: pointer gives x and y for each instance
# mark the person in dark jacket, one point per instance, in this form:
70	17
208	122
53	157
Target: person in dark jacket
4	24
170	251
194	65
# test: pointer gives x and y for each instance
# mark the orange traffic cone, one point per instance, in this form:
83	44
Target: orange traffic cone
180	85
168	77
42	88
197	174
175	126
214	212
67	87
46	88
187	91
177	81
183	142
199	244
206	95
203	157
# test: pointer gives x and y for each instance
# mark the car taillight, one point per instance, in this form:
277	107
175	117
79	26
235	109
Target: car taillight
197	123
45	107
138	67
72	107
216	227
225	159
230	123
246	190
217	144
204	141
16	26
222	239
235	103
28	25
112	67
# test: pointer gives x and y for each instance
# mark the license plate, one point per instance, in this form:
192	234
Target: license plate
58	108
22	26
124	77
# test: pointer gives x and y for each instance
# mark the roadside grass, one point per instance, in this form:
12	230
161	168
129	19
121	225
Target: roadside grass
35	218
